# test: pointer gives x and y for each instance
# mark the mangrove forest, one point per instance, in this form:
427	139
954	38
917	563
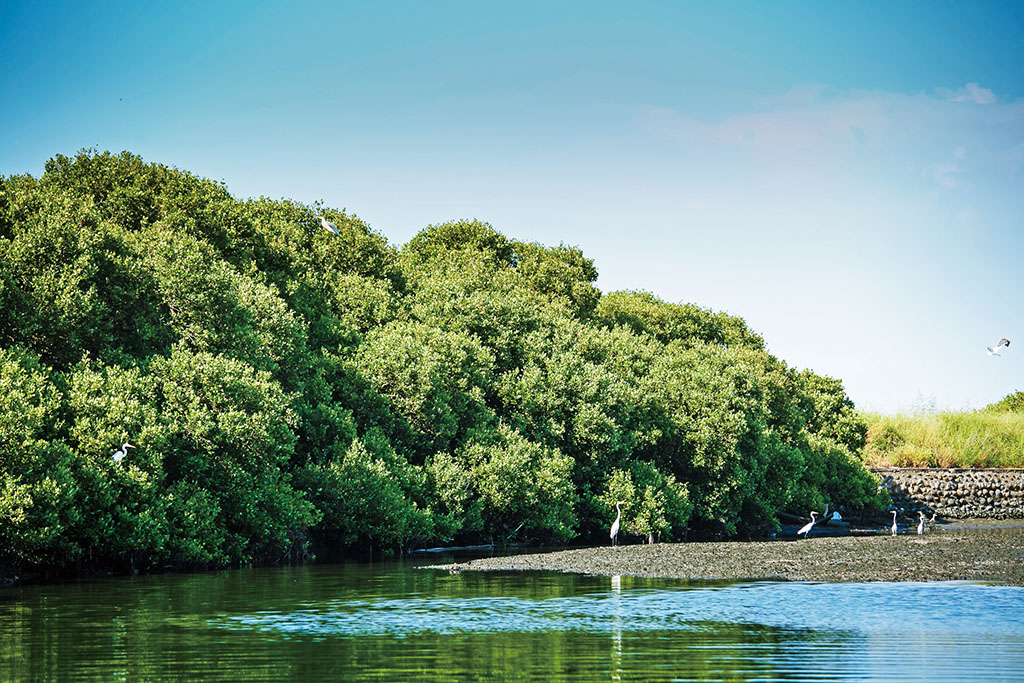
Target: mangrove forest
287	387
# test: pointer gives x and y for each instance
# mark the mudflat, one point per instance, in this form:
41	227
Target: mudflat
963	553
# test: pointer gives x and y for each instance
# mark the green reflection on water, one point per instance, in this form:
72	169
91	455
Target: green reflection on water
394	622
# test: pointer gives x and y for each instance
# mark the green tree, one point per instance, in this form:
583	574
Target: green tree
435	380
688	324
655	504
1012	403
501	480
283	383
229	431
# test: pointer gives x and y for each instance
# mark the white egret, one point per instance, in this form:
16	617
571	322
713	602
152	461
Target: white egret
329	226
119	455
893	522
806	528
920	523
994	350
833	517
618	519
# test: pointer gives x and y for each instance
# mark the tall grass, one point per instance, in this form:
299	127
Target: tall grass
982	438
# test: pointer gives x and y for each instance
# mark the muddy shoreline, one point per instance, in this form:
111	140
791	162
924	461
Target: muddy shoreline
962	552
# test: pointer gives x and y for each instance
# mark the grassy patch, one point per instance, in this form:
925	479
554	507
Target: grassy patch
982	438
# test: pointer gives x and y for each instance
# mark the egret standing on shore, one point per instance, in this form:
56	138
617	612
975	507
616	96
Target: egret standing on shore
615	524
920	523
119	455
893	522
806	528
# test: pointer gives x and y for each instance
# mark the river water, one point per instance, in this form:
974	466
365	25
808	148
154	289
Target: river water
393	621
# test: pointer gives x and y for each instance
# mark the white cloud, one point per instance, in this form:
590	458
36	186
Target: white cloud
945	173
949	173
965	215
798	120
972	93
860	132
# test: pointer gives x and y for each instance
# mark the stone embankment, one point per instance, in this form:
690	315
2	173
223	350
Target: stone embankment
957	493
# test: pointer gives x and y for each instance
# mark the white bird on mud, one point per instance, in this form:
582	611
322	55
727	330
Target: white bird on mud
893	522
615	524
806	528
921	521
119	455
994	350
329	226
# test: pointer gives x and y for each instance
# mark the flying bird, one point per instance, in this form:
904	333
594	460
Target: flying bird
806	528
119	455
329	226
994	350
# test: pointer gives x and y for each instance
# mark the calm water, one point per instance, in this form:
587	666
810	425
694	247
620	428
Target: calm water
393	622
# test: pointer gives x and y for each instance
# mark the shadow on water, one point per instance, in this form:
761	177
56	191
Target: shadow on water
391	621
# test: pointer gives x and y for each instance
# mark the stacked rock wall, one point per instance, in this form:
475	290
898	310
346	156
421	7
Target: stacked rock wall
956	492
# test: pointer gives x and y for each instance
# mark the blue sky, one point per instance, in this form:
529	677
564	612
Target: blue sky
847	177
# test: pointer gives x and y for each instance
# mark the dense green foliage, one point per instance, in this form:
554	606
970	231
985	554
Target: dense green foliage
1013	403
991	437
283	384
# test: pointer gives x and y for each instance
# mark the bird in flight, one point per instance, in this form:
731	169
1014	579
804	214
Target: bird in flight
329	226
994	350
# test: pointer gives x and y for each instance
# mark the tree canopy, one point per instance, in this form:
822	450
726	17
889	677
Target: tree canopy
283	384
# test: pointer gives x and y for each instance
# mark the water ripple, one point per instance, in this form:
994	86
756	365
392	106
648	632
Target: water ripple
935	611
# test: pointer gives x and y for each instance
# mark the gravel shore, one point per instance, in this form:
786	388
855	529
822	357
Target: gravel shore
972	554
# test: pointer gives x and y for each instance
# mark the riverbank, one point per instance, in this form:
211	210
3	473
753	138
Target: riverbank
974	553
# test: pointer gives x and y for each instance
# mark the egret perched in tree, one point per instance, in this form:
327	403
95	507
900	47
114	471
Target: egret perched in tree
806	528
994	350
920	523
119	455
893	522
329	226
618	519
